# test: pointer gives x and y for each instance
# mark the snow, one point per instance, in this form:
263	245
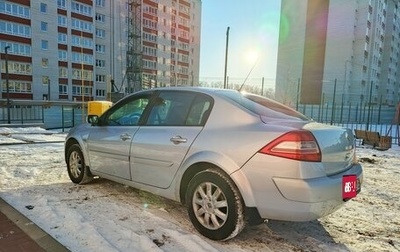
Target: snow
106	216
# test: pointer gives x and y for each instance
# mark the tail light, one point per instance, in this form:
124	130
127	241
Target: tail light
299	145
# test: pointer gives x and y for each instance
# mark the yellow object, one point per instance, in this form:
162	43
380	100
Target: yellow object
98	107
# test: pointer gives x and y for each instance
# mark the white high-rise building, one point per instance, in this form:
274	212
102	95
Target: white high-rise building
359	59
77	49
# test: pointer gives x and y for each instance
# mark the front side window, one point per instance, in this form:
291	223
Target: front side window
128	113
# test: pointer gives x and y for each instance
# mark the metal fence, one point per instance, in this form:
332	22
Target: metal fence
363	116
49	115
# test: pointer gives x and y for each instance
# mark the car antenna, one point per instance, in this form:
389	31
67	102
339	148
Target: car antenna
240	89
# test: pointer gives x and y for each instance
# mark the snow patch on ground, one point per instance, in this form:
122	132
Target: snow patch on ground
105	216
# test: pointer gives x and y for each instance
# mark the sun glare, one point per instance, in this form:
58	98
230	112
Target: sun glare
251	56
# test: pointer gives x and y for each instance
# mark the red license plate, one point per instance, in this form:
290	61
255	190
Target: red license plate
349	186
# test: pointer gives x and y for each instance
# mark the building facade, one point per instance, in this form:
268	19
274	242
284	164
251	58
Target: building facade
80	49
361	61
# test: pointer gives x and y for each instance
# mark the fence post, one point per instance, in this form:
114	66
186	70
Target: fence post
62	117
333	103
321	108
42	115
297	96
369	105
22	115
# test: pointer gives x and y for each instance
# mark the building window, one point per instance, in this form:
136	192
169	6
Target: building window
45	44
62	20
82	58
100	17
17	68
14	9
100	78
76	90
100	63
100	33
100	3
81	8
45	62
62	38
100	92
62	4
15	29
43	26
43	7
45	80
82	41
100	48
17	86
62	55
81	25
63	72
63	89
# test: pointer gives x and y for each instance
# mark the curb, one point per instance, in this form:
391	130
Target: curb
44	240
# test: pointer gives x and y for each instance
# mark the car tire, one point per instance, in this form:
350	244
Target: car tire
215	205
77	170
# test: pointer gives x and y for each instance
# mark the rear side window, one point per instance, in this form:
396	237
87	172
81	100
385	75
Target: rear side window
264	106
199	111
173	108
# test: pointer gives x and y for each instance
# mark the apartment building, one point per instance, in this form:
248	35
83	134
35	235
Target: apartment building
78	50
360	56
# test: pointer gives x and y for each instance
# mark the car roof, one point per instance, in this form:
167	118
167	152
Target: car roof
205	90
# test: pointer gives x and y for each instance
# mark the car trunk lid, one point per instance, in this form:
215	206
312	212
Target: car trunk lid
336	144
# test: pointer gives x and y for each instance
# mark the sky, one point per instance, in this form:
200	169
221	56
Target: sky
106	216
252	41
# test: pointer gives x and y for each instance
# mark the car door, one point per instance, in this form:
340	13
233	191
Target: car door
109	143
159	146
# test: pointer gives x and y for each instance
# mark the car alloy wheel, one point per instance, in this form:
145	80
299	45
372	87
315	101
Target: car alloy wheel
215	206
77	171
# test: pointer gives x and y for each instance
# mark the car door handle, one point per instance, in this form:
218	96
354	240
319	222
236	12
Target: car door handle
125	137
178	139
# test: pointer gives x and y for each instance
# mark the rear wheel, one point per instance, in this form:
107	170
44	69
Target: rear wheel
77	170
215	206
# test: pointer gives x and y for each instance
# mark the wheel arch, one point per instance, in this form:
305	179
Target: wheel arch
71	141
204	160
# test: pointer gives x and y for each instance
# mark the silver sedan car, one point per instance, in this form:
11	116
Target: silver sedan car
232	158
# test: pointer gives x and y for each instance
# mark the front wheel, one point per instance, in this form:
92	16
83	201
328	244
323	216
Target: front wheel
215	206
77	170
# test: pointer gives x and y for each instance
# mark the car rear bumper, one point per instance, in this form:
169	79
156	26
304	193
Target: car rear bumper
295	199
315	190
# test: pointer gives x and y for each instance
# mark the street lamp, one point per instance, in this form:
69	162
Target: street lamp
226	56
7	86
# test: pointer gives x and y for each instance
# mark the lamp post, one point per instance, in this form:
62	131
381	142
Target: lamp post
7	86
226	56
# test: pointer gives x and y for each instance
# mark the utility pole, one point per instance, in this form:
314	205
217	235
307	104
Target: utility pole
7	86
226	56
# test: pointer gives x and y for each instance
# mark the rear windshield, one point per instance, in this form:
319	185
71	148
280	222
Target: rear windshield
264	106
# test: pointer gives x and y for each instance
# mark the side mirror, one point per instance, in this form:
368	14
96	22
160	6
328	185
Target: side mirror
93	119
